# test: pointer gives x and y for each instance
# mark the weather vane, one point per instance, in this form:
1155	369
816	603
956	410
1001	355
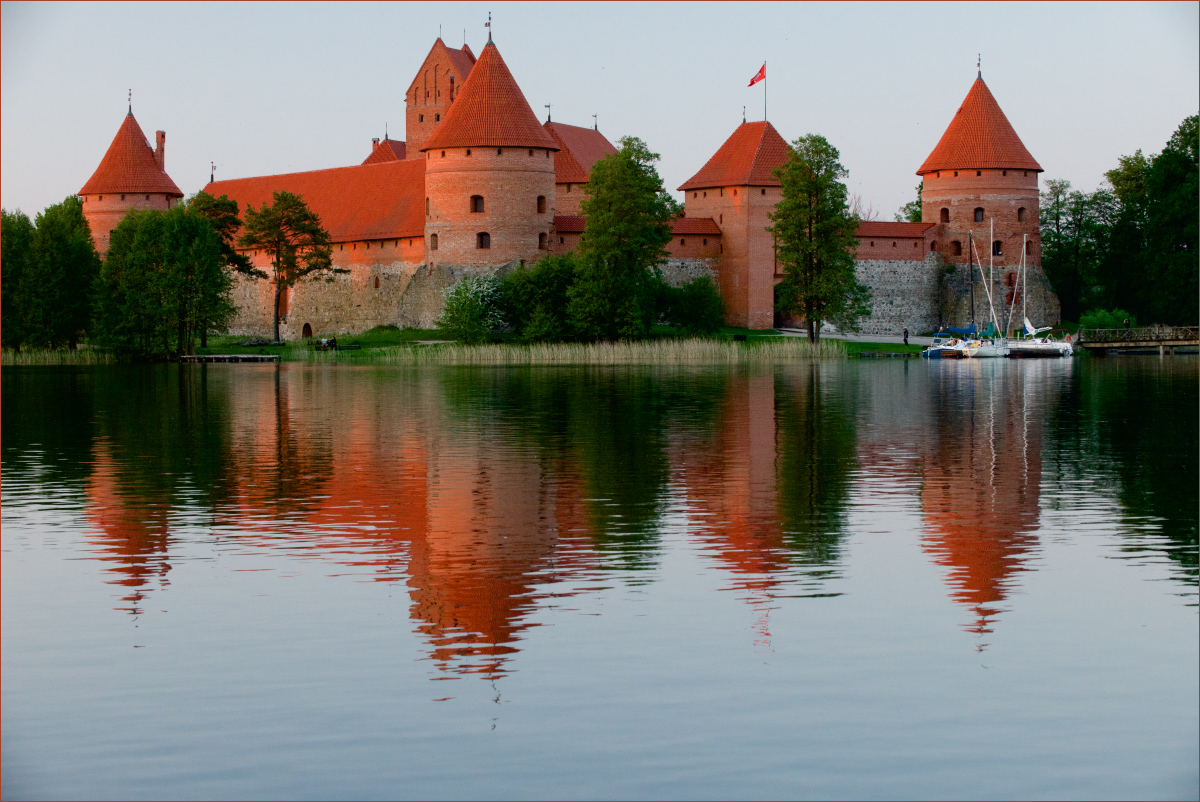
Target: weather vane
547	112
131	101
489	27
595	123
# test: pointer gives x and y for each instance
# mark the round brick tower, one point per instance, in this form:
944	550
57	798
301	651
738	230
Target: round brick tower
489	174
981	179
130	176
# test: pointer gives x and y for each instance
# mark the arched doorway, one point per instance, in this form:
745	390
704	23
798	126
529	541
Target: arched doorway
306	332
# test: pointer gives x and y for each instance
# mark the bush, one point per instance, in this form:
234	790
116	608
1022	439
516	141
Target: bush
1101	319
533	300
472	311
695	308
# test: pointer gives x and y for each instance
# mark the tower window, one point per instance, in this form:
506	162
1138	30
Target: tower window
561	240
893	243
978	214
568	187
147	197
531	151
437	118
694	194
872	243
945	215
682	241
444	153
1028	247
433	242
377	282
476	203
420	118
541	242
956	248
122	197
427	207
764	192
721	218
933	245
997	248
541	204
979	172
468	151
1021	215
499	151
956	173
704	241
1004	172
483	240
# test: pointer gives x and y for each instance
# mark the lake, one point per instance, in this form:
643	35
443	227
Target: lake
849	579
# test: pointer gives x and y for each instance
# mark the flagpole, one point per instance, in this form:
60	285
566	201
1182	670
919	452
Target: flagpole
764	83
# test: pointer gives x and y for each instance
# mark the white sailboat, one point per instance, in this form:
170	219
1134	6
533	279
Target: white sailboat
1036	342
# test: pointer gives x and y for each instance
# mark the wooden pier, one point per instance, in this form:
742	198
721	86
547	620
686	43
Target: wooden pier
230	358
1165	338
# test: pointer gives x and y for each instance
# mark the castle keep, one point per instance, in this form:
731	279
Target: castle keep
480	185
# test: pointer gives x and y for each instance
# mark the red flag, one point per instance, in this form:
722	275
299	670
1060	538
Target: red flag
761	75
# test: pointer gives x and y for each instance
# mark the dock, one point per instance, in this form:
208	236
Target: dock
1165	338
230	358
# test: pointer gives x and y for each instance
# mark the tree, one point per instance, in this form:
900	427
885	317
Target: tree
48	271
534	299
1075	229
814	240
695	308
292	234
222	213
911	211
164	275
629	216
16	252
1172	230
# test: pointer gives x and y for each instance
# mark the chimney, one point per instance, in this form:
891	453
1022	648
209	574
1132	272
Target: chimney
160	150
374	143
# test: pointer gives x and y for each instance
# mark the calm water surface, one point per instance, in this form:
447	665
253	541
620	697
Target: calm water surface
853	579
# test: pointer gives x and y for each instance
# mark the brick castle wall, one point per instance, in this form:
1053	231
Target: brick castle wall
510	181
105	212
1009	200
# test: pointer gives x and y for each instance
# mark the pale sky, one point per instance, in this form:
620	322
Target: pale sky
271	88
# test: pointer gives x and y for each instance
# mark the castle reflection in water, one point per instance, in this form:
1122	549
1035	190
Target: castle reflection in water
485	493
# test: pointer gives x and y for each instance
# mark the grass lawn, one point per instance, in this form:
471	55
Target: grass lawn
854	348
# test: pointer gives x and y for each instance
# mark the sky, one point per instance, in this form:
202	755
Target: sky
271	88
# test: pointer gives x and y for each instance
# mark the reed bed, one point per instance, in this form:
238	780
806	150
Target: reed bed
651	352
56	356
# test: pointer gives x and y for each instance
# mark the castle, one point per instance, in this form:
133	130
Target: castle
480	185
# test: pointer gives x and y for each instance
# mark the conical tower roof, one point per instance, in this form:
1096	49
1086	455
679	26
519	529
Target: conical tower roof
979	137
748	158
490	111
129	166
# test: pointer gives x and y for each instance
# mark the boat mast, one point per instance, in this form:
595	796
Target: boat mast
971	274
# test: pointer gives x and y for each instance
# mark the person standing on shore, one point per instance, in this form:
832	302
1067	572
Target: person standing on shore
906	335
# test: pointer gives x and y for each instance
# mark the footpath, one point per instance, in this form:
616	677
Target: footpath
861	338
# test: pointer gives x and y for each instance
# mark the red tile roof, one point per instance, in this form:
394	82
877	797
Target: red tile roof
461	60
746	159
979	137
490	111
569	223
579	149
367	201
695	225
129	166
573	224
389	150
884	229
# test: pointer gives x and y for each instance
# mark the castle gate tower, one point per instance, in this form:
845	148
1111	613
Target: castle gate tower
980	175
489	174
434	88
130	176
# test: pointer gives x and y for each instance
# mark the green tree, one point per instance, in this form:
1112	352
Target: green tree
164	276
1075	229
222	213
695	308
16	252
629	216
292	234
49	268
815	240
472	309
1172	230
911	211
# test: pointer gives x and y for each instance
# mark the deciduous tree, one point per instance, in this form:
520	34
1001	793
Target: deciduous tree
815	238
629	216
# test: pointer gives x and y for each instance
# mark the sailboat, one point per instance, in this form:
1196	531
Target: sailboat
1037	342
996	345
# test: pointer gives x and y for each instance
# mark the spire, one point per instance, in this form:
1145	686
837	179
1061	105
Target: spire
490	110
978	66
129	166
979	137
548	112
130	112
489	27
